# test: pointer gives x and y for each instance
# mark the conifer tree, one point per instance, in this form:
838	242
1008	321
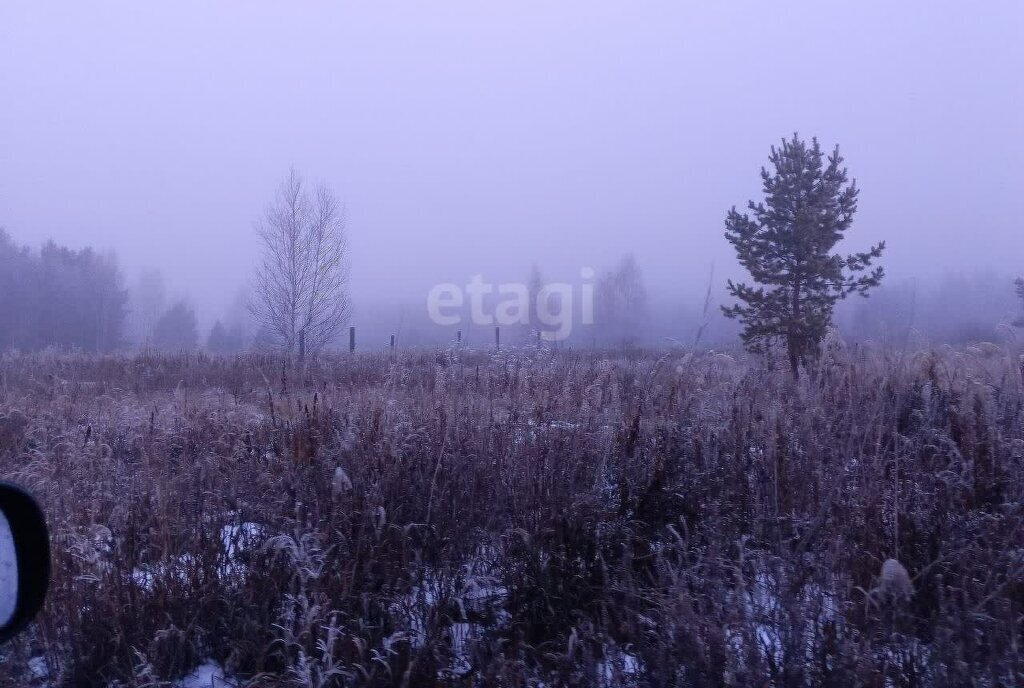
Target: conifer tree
786	243
225	340
176	331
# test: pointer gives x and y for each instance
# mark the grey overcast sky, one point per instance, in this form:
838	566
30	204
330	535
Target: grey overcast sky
481	136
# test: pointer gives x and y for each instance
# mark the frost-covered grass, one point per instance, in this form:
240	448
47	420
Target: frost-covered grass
527	518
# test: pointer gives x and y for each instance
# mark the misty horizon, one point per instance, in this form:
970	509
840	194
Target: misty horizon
466	140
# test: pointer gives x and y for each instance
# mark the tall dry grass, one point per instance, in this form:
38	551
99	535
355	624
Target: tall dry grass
524	518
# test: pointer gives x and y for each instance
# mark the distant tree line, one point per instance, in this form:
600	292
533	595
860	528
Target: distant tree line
60	297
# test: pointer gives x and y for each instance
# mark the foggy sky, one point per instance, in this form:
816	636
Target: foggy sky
482	136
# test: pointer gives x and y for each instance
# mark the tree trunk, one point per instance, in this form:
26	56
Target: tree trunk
792	339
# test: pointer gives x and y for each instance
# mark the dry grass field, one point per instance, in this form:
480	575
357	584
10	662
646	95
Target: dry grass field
524	518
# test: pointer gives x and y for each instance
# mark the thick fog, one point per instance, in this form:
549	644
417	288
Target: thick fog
482	137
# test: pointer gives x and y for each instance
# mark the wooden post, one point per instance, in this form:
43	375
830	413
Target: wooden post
392	342
351	339
458	337
497	337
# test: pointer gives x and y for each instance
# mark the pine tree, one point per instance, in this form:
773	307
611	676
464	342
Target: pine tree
785	244
175	331
225	340
217	341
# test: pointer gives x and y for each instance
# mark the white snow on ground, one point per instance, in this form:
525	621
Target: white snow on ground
236	540
208	675
473	593
618	668
39	669
764	618
146	576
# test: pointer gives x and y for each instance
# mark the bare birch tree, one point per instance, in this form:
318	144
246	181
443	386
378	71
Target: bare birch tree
301	292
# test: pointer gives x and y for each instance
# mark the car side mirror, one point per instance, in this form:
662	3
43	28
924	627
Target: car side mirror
24	559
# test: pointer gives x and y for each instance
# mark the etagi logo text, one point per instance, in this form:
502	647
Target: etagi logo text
550	307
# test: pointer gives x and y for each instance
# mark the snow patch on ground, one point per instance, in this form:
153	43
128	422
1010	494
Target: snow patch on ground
618	668
208	675
236	540
465	600
38	668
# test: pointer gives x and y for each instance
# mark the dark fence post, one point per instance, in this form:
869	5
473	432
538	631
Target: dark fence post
458	337
351	339
497	337
392	342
